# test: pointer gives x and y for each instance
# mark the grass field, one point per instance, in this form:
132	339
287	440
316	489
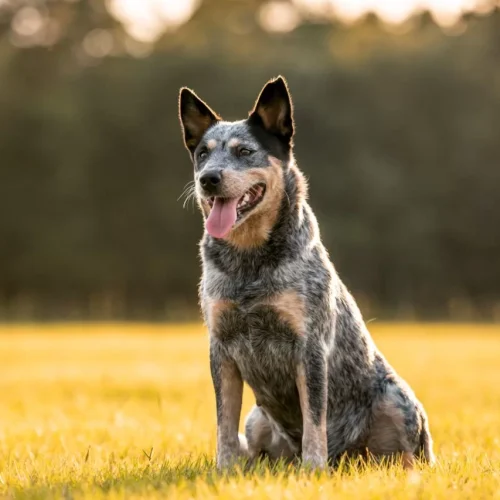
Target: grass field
128	412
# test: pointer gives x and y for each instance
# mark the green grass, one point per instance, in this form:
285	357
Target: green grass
113	411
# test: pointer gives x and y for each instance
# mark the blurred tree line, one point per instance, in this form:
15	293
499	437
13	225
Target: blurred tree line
398	133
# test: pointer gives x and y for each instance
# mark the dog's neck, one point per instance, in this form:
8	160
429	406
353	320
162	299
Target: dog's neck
294	228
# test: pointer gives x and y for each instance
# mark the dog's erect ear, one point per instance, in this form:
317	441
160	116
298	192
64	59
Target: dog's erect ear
273	109
196	118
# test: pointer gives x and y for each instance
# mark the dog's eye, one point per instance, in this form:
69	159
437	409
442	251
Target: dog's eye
202	154
244	152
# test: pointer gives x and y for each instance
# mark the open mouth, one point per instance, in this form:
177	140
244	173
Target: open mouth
248	201
225	212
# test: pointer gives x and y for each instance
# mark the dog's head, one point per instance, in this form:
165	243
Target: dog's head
239	166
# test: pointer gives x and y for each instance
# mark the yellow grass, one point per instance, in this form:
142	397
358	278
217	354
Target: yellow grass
128	412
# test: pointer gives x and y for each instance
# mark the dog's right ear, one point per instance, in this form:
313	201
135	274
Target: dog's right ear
273	109
196	118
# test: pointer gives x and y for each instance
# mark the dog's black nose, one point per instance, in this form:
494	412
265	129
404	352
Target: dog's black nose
210	180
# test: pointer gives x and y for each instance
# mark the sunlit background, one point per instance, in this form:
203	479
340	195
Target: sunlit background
397	110
397	105
145	20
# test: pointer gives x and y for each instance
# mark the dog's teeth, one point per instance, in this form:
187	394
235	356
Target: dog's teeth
253	194
243	201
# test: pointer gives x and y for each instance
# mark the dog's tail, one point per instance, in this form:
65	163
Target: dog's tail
425	446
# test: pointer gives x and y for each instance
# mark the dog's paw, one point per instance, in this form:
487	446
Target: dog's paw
225	462
229	461
228	457
314	461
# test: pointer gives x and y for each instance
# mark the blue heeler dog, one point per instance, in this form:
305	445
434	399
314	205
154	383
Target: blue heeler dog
280	318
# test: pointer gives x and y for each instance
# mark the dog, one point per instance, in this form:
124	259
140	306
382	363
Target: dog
279	317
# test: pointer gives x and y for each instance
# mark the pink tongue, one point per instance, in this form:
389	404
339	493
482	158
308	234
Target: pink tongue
222	217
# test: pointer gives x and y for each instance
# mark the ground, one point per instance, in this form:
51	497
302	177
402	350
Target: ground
116	411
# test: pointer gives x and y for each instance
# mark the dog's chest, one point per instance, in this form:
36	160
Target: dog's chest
263	341
254	332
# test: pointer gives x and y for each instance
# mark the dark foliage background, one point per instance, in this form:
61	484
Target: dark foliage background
398	134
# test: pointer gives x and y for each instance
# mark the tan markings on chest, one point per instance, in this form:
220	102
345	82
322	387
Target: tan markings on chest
215	309
290	307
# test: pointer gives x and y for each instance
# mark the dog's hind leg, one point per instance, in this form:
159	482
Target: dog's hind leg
264	439
396	428
425	445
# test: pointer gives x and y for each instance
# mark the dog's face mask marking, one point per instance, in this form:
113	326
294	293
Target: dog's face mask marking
239	166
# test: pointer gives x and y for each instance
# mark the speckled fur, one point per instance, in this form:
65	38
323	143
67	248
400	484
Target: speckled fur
322	391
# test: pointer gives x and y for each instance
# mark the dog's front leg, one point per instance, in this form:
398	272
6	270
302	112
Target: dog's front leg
228	386
312	384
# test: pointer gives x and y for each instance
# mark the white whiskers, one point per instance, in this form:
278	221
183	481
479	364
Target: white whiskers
189	194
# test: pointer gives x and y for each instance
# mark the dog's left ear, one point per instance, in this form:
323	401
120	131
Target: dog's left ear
273	109
196	118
